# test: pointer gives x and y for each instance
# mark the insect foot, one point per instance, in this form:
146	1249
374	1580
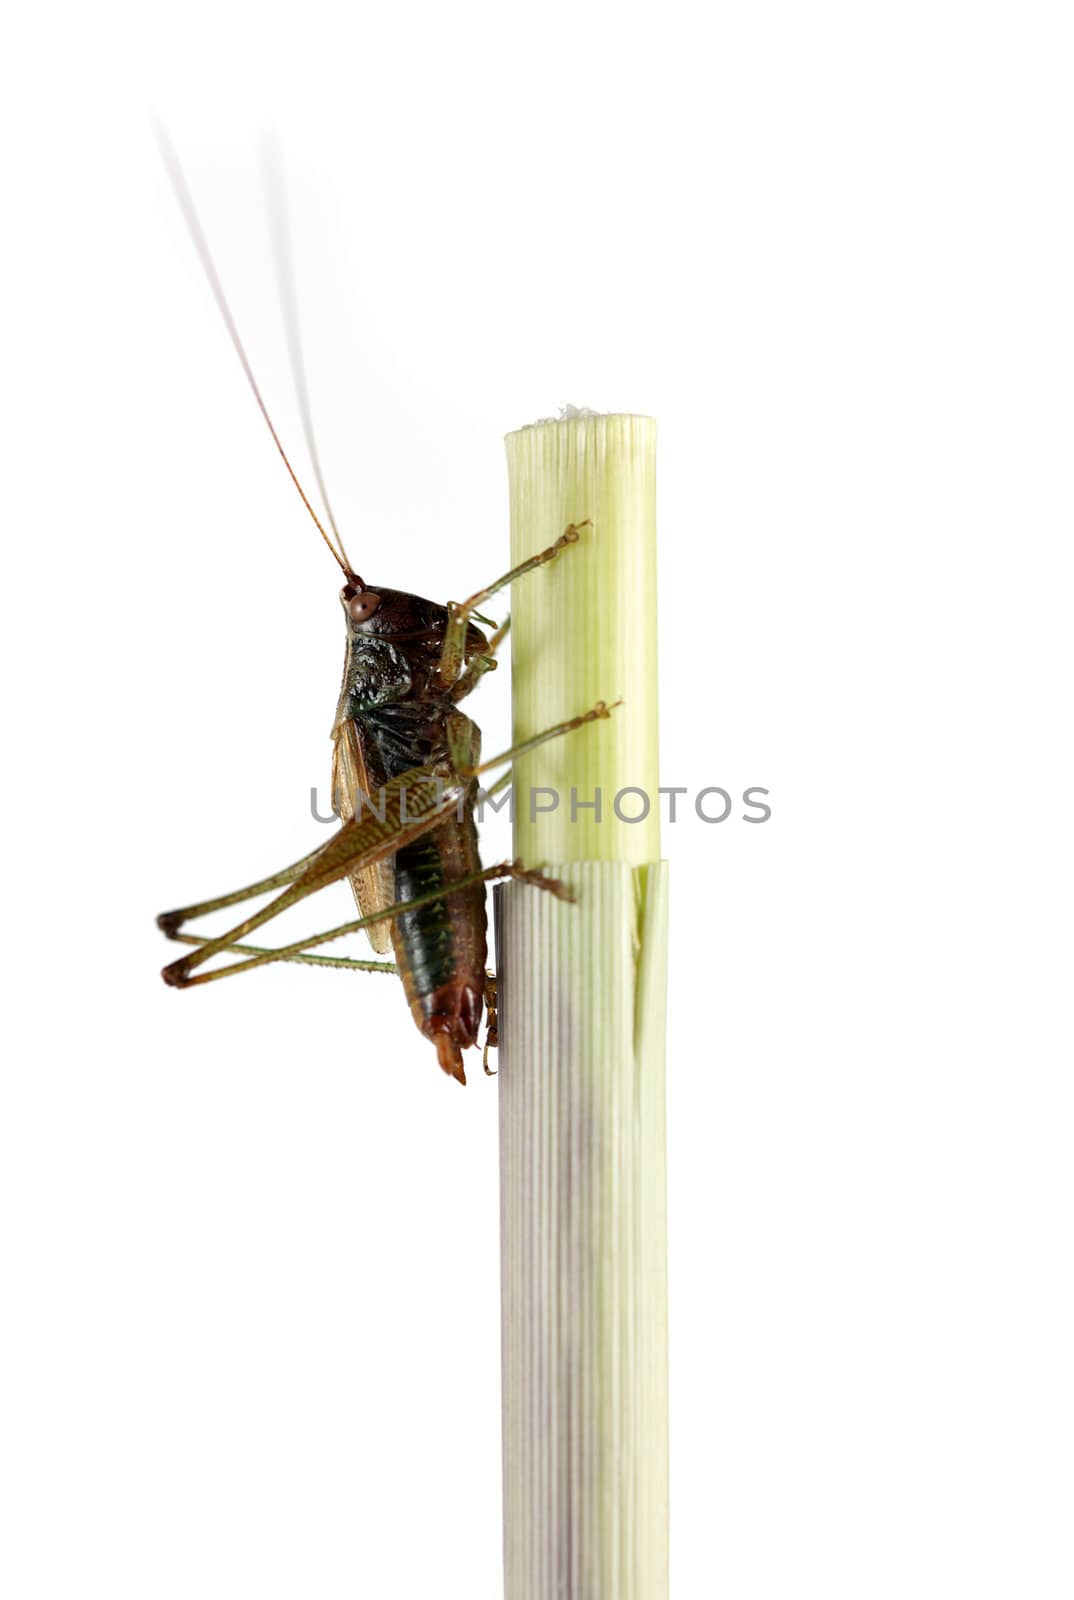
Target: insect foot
538	880
570	535
492	1031
176	974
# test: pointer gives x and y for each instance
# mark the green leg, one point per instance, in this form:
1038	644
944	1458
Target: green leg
347	962
453	653
463	742
479	665
414	804
597	714
494	788
170	921
505	869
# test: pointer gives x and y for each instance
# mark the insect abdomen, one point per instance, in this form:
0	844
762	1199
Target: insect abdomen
441	947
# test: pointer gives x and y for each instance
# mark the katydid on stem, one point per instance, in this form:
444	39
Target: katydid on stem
405	773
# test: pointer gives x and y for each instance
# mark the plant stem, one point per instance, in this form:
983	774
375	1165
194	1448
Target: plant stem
584	629
582	1001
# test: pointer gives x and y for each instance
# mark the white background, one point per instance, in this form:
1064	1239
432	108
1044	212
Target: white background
249	1257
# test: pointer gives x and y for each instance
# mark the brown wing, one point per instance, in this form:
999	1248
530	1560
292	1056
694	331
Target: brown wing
374	887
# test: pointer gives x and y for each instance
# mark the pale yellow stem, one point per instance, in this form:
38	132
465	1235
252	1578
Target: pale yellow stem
582	996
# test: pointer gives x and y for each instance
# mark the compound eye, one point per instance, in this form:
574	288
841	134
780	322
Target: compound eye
363	605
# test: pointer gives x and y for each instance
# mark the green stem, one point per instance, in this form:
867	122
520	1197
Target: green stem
582	997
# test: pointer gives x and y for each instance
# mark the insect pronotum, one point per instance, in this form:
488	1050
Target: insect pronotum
406	763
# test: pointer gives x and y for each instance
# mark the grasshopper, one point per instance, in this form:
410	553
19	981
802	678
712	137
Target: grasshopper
406	764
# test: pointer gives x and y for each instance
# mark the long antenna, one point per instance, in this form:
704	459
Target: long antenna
283	258
190	216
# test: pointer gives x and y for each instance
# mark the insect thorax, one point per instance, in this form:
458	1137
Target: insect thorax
377	674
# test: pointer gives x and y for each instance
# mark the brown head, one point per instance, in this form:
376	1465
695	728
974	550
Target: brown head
382	613
379	612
